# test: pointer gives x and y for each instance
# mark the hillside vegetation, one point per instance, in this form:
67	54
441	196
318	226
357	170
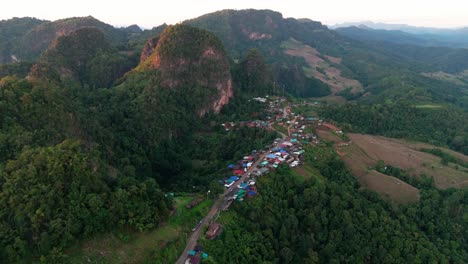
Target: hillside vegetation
383	69
78	159
443	126
309	221
99	126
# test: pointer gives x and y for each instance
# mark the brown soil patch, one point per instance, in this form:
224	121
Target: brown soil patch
404	155
333	59
419	145
359	162
334	99
325	133
458	79
390	187
301	172
320	68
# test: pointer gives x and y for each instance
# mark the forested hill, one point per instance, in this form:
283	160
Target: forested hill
303	57
11	32
25	39
405	34
82	153
444	38
306	57
84	56
269	33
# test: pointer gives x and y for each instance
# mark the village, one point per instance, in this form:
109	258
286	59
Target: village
296	131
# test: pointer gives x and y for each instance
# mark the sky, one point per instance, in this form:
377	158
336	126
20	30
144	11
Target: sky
150	13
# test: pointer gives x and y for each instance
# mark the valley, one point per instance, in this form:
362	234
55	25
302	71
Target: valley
240	136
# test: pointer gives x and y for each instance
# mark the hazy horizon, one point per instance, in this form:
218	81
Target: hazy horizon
449	14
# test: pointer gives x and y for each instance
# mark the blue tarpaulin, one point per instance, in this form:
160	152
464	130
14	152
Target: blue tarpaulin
283	151
231	166
233	178
271	156
244	165
252	193
192	253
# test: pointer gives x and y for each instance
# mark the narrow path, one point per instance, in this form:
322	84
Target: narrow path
290	125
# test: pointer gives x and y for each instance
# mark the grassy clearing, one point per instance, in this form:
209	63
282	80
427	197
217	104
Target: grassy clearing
306	171
291	44
305	110
162	245
280	128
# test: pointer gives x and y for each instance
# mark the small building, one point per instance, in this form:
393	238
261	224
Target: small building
242	185
249	158
238	172
193	260
233	178
198	248
252	193
214	230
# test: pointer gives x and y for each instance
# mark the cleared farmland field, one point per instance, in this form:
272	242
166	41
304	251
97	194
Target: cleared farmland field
363	152
406	155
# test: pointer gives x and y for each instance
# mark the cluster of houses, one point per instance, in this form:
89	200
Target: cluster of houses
275	110
261	99
255	123
287	151
244	188
239	169
300	131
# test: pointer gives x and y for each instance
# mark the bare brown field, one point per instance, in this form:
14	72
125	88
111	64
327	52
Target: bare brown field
391	188
419	145
363	152
458	79
328	135
405	155
320	66
359	162
334	99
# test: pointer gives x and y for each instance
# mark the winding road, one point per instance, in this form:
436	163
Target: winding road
192	241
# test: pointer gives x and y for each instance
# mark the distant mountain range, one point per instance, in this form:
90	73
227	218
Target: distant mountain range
405	34
401	27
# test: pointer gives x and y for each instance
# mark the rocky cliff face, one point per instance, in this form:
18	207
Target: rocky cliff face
193	60
148	49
